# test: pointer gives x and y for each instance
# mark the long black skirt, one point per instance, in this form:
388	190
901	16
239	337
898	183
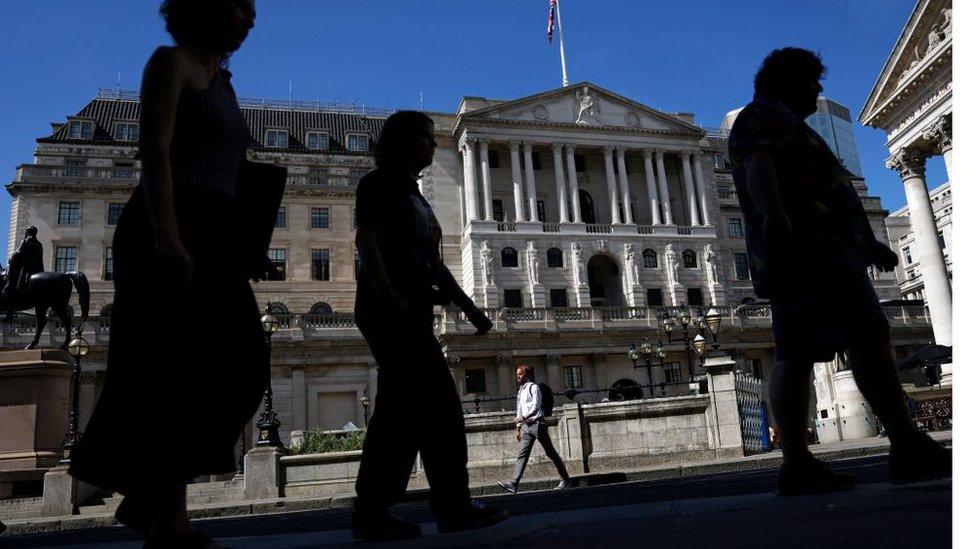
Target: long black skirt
186	367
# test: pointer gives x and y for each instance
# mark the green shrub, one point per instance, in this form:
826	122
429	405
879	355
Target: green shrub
319	441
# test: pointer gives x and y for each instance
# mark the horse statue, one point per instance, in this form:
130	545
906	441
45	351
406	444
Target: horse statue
44	291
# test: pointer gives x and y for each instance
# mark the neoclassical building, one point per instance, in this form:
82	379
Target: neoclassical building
901	239
912	102
576	217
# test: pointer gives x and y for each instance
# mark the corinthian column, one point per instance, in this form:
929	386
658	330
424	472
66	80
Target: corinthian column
624	184
662	179
651	187
485	177
517	181
573	182
702	189
470	181
557	158
611	184
911	165
940	133
530	181
689	188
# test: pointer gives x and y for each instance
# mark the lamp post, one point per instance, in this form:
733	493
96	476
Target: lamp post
364	400
77	348
268	423
647	351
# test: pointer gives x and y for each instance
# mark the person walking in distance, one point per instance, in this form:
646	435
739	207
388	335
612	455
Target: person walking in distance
530	425
402	276
810	244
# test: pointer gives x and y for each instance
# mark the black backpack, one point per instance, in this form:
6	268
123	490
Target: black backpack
547	399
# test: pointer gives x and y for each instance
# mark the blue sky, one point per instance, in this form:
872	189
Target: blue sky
693	55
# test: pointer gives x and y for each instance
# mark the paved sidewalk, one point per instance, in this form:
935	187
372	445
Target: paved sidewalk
771	460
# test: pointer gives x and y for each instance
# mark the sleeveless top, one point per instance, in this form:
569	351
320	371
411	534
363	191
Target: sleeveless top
209	138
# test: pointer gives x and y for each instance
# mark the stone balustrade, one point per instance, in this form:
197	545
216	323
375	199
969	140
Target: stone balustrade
117	173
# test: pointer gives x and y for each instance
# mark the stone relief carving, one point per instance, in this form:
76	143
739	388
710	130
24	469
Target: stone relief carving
540	112
588	111
488	263
579	270
533	262
633	265
601	245
711	265
671	262
940	133
907	162
941	31
632	119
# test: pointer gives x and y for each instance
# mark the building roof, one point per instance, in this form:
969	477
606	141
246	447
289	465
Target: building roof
296	117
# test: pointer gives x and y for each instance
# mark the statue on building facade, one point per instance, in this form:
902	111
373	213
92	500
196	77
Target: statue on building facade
711	265
487	263
633	264
589	108
533	262
579	270
671	261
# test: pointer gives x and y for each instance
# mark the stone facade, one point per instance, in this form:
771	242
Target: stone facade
901	239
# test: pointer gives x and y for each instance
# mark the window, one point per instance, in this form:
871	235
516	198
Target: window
735	227
318	140
690	259
357	142
492	159
554	257
672	372
513	298
80	129
741	266
319	218
695	297
320	264
318	177
278	257
321	308
276	138
124	170
509	257
65	259
108	270
474	380
541	210
75	168
558	298
127	131
655	298
580	161
906	253
718	161
650	259
69	213
942	244
573	377
114	211
536	162
497	210
281	221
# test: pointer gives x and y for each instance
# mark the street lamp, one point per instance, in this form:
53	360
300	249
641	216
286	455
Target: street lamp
77	348
268	423
647	351
364	400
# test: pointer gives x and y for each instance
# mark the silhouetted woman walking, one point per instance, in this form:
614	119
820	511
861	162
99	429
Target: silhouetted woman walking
177	393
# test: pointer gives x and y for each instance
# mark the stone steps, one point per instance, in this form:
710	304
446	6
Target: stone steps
20	508
201	493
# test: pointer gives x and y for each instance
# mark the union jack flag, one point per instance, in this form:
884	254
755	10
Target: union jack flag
551	22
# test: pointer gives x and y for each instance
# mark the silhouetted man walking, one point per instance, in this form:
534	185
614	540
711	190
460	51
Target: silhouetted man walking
810	244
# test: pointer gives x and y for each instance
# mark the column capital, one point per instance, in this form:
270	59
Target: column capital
648	152
685	153
621	149
556	146
527	145
503	359
570	148
552	359
908	162
467	143
940	133
608	150
514	143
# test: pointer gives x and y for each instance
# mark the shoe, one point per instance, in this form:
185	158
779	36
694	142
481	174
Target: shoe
920	460
470	517
510	486
133	515
565	483
811	476
382	526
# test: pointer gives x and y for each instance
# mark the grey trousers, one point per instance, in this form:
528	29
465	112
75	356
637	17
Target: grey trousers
538	430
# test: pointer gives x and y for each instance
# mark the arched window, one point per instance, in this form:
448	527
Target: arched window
650	259
509	257
690	259
106	310
321	308
277	308
554	256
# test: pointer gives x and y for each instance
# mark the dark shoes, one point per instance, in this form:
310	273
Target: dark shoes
919	460
470	517
566	483
510	486
382	526
811	476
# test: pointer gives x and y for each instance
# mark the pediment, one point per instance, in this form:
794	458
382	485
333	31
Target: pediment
583	105
926	35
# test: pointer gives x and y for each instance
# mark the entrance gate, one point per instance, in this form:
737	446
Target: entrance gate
752	413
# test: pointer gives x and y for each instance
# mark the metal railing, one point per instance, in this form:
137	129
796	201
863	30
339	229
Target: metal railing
599	228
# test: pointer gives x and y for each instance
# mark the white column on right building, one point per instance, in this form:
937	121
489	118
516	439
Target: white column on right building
662	179
689	188
517	181
530	181
557	159
702	189
485	177
611	184
910	164
470	181
651	187
573	182
624	184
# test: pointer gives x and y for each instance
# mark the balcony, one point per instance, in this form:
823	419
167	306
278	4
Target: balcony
536	228
125	174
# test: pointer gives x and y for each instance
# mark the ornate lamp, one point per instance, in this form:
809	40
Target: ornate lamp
268	422
699	345
77	348
713	321
364	400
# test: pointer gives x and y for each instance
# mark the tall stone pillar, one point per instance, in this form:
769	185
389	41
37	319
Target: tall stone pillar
689	188
470	181
652	198
299	406
530	181
552	373
485	177
611	184
940	133
624	184
910	164
517	181
573	182
557	159
702	190
505	384
662	179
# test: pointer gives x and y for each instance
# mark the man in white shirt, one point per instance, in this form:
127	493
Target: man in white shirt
530	424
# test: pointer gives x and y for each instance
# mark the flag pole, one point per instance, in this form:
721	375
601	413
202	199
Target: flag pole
562	49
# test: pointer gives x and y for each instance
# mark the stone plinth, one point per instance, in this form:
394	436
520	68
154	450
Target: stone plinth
34	401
